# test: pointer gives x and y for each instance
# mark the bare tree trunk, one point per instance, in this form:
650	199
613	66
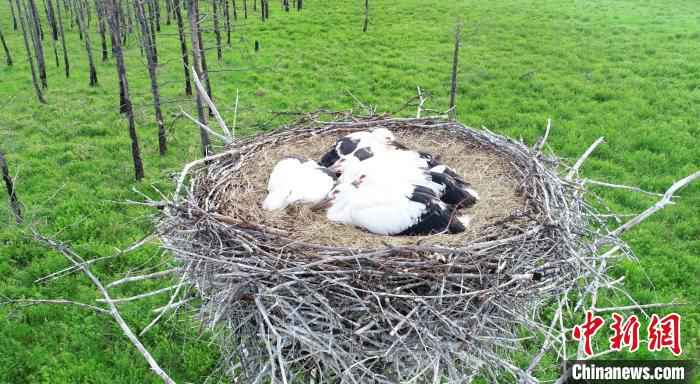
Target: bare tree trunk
299	5
35	15
153	17
183	46
235	11
10	186
129	20
66	63
24	23
285	4
455	64
156	7
14	17
102	28
364	27
193	14
34	23
205	69
121	72
227	23
148	46
217	32
80	11
8	57
245	9
255	5
51	17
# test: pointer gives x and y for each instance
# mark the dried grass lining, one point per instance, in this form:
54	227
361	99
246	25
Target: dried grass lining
287	301
489	173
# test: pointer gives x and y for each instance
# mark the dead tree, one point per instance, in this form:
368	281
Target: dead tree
364	27
227	20
156	8
24	24
235	10
51	18
102	28
37	35
285	4
80	12
115	30
8	57
245	9
153	17
10	186
217	32
255	5
152	73
183	46
205	68
66	63
299	5
455	64
193	14
14	16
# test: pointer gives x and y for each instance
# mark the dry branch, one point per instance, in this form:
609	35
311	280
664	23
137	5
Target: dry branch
77	260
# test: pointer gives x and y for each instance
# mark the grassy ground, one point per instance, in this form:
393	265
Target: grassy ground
628	70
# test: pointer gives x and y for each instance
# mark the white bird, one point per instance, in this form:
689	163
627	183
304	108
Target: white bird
412	167
398	209
361	145
295	180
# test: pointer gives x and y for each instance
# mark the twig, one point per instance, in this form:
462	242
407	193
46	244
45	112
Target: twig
620	186
421	101
235	117
540	144
658	206
637	307
223	138
583	158
205	96
78	261
141	296
130	279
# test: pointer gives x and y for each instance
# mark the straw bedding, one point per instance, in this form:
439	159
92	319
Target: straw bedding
489	174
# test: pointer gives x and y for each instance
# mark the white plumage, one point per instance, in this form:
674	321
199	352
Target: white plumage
391	209
383	187
297	181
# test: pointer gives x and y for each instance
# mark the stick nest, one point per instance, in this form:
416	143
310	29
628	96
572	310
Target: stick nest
293	297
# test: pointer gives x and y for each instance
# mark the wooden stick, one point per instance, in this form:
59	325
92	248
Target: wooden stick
131	279
78	260
583	158
203	93
10	186
665	200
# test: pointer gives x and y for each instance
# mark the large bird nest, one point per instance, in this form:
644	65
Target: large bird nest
293	297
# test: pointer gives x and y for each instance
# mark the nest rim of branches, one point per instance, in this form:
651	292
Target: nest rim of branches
397	312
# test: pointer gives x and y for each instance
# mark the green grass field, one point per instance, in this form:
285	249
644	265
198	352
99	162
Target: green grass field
628	70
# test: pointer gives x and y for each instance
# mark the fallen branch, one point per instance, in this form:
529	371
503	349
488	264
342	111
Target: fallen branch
130	279
78	261
665	200
139	297
582	159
